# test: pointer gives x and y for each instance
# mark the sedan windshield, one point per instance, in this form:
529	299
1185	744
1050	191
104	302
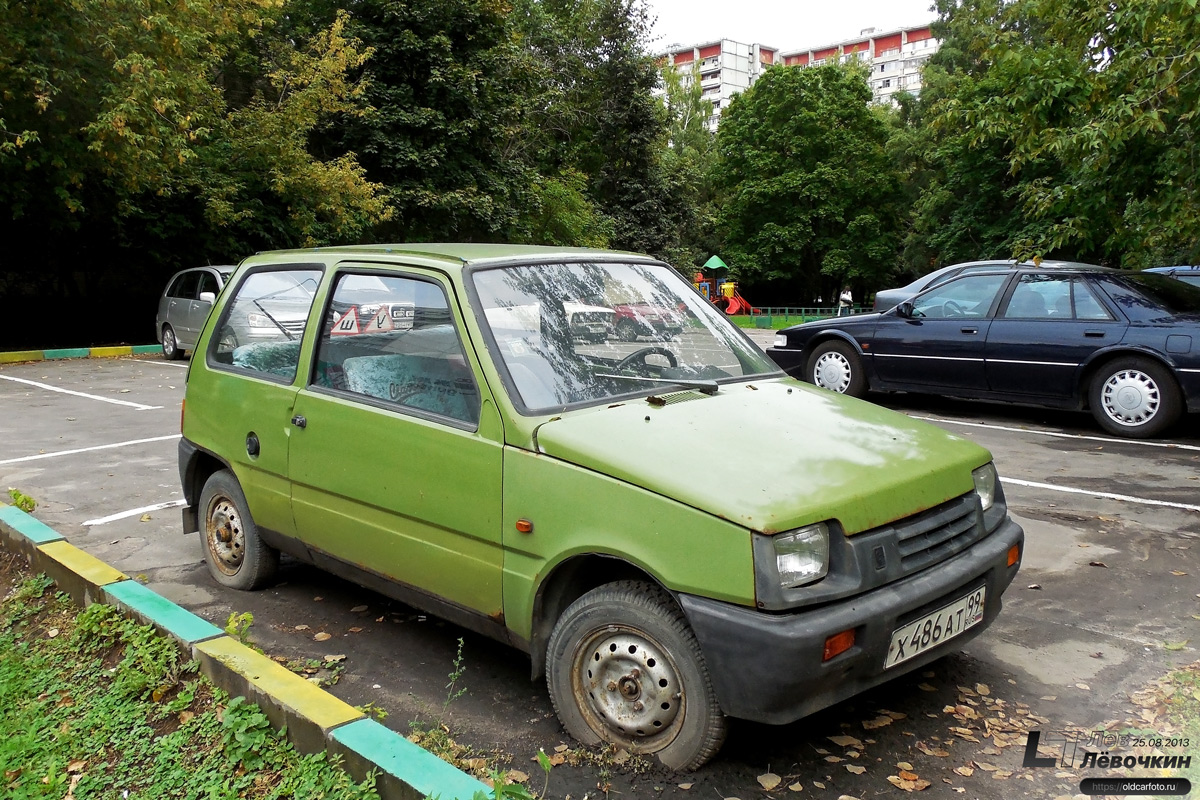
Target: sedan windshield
581	333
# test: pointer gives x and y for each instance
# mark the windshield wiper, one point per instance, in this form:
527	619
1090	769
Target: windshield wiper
286	332
705	387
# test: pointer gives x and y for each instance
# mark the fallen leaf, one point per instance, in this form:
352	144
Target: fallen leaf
301	627
986	767
845	741
1083	686
904	765
357	609
932	751
966	772
818	784
907	775
516	776
925	687
878	722
144	518
796	787
1049	697
834	759
685	786
76	766
983	689
330	659
769	780
1001	774
1177	572
476	763
1097	564
855	769
356	629
186	716
562	748
322	637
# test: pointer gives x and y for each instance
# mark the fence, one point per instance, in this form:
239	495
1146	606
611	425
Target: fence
766	316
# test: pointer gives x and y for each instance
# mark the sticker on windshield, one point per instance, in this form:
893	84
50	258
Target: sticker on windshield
381	322
347	324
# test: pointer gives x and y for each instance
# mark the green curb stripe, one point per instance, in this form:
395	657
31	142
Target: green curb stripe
180	622
78	352
32	529
71	352
410	764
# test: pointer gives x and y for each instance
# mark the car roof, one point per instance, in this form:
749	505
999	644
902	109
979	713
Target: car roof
469	254
1044	264
1169	270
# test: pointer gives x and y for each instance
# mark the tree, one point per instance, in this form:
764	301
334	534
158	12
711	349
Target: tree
806	187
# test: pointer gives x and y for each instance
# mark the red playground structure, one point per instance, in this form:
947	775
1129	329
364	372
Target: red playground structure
723	294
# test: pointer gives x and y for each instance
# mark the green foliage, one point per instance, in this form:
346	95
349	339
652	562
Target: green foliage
238	626
373	711
808	194
453	690
22	501
245	733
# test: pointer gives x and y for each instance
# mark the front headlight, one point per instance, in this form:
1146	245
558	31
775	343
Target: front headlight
802	556
258	321
985	484
780	340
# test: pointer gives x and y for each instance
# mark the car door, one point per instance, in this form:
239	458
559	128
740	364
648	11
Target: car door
1046	328
197	309
396	450
179	295
939	342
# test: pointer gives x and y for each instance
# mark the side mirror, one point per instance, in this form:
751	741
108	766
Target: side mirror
904	309
208	297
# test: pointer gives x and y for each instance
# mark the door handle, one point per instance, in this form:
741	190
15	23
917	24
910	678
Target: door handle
299	421
969	330
1094	334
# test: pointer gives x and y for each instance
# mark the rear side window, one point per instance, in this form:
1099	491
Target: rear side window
184	285
264	323
1145	296
392	340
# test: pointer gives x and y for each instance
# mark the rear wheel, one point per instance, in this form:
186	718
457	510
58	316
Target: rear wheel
627	330
235	554
837	367
624	667
170	345
1134	397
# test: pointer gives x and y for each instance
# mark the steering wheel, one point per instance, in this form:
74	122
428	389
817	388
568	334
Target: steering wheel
640	355
953	309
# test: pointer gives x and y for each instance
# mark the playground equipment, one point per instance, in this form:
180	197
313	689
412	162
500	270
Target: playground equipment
722	293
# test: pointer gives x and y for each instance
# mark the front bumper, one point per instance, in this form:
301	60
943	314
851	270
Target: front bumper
769	668
790	361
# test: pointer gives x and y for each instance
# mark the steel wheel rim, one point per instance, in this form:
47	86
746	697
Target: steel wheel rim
168	341
832	371
628	689
1130	398
225	536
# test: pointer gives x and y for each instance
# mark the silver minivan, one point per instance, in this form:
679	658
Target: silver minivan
184	307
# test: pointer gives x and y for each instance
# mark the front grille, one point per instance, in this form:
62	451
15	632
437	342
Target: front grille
590	316
295	326
938	533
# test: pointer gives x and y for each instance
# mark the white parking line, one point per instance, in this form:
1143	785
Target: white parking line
50	388
1056	434
135	511
1107	495
88	449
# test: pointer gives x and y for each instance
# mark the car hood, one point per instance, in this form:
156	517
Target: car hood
852	321
771	455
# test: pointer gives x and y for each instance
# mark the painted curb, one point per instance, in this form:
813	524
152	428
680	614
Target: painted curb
315	720
16	356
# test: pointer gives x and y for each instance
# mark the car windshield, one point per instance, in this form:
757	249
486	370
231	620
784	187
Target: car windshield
1171	295
580	333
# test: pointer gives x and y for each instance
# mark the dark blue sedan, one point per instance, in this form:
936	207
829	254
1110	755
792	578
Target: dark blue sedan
1125	345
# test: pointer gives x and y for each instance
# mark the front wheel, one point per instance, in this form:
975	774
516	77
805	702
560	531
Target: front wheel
624	667
236	556
627	330
1134	397
837	367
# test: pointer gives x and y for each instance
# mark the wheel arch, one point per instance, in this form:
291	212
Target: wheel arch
566	583
1098	361
196	466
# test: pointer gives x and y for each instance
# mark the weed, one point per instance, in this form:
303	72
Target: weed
238	626
245	732
22	501
453	691
373	711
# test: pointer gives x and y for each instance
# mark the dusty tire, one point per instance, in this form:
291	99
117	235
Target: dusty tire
835	366
627	330
623	666
170	345
235	554
1134	397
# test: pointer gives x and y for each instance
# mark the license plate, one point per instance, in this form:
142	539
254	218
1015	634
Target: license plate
931	630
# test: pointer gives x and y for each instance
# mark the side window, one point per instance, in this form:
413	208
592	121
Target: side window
184	286
1040	297
208	283
1087	305
965	296
393	339
264	323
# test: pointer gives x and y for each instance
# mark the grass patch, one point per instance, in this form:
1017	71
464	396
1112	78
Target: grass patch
93	705
777	321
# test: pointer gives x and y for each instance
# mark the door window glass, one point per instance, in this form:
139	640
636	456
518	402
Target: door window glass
1087	305
184	286
1040	297
208	283
966	296
263	325
393	339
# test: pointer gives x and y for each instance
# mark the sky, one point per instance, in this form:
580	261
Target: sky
785	24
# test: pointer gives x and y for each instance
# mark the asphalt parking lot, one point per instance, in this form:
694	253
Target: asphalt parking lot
1106	601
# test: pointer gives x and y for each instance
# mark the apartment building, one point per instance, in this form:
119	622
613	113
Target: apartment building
724	68
895	58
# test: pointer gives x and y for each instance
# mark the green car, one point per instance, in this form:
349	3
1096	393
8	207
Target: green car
673	530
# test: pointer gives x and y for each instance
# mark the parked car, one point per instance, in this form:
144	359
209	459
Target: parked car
580	501
1187	274
184	306
1125	345
591	323
645	319
888	298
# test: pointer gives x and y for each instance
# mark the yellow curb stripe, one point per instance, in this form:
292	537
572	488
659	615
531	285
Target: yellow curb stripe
308	699
111	352
20	355
83	564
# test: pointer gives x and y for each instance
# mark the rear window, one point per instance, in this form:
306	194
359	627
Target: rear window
1143	295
